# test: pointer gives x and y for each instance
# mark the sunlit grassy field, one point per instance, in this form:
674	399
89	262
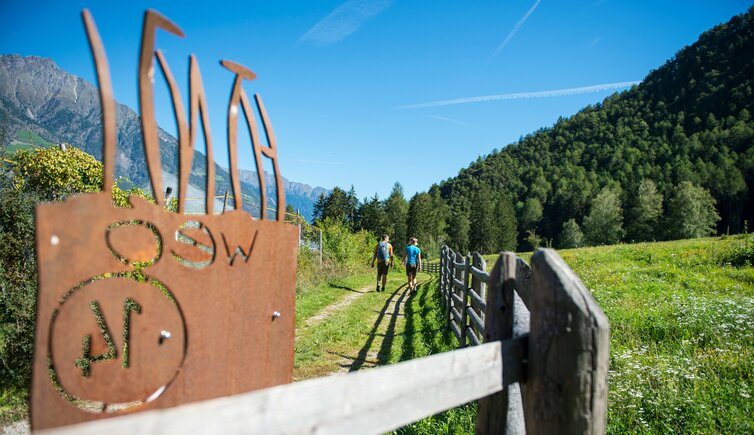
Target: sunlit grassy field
682	333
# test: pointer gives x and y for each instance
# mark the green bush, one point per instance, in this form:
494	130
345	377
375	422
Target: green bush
45	174
18	285
740	253
344	253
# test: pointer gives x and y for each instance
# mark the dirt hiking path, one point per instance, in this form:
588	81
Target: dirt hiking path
362	330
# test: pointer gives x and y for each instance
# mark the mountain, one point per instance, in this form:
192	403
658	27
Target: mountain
42	104
688	121
300	196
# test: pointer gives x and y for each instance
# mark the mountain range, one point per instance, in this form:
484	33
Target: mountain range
42	105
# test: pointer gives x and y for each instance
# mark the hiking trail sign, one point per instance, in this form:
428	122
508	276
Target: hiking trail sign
142	308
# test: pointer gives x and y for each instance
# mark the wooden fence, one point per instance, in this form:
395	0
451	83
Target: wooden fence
554	339
542	367
431	267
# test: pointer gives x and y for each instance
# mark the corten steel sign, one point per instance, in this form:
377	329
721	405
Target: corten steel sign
141	308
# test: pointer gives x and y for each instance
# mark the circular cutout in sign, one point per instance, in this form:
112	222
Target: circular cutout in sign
108	347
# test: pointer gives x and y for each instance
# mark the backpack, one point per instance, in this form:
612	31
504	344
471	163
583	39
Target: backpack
382	251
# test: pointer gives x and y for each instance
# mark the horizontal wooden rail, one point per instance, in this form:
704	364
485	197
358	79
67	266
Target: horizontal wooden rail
480	275
476	321
369	402
457	299
472	337
478	301
457	283
456	314
456	330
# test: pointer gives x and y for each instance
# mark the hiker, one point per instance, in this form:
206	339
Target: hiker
384	253
413	262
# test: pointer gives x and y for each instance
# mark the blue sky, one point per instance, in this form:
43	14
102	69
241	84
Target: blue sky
369	92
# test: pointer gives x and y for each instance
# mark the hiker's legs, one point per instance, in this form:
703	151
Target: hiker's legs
410	276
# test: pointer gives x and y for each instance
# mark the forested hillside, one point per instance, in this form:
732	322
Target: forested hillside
670	158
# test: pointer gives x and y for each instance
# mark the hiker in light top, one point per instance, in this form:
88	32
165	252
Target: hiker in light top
413	262
383	253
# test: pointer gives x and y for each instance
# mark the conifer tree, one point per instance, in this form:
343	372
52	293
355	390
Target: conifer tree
420	216
645	214
482	234
506	231
396	215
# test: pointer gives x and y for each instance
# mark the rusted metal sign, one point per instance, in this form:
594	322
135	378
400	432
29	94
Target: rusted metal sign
141	308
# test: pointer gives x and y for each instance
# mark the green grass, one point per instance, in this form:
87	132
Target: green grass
682	340
681	332
311	300
378	329
13	406
25	140
340	340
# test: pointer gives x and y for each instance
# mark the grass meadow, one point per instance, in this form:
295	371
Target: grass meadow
682	333
682	337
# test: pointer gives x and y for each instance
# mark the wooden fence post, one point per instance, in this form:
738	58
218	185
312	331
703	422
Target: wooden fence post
465	300
568	352
492	417
442	268
451	273
479	287
455	315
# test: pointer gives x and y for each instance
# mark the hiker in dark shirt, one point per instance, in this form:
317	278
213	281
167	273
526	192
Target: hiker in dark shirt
383	253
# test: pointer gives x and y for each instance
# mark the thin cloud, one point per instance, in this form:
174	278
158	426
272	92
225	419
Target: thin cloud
524	95
321	162
452	121
343	21
514	30
596	40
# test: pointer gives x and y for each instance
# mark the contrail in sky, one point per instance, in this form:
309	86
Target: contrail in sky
524	95
514	31
343	20
451	120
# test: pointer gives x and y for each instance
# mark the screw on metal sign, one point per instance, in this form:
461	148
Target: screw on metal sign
142	308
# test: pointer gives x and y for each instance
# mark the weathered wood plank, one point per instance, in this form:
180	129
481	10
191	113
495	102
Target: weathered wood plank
368	402
478	301
457	284
473	339
476	321
456	330
449	273
457	299
568	352
479	289
480	274
465	298
456	314
497	413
